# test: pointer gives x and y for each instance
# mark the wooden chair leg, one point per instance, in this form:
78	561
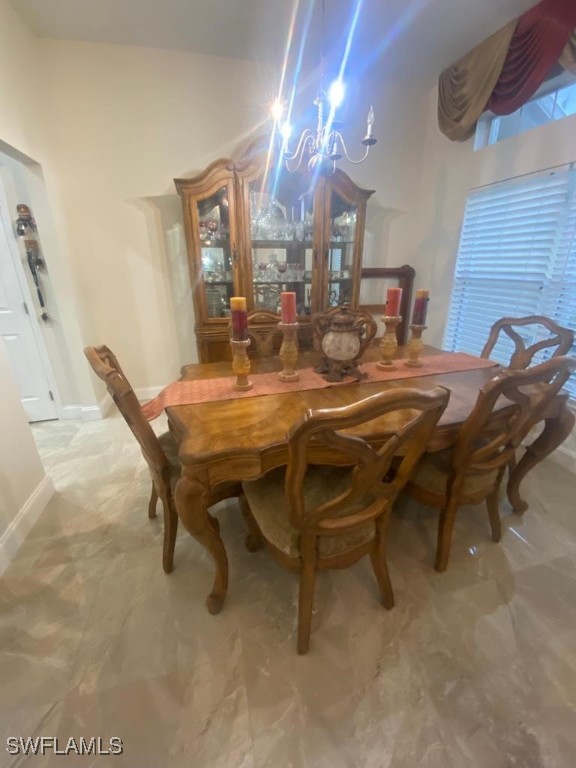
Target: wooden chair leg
170	531
306	593
445	526
254	538
492	503
152	503
380	567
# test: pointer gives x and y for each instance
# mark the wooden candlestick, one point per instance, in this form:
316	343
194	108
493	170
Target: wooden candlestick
389	342
241	364
289	351
415	346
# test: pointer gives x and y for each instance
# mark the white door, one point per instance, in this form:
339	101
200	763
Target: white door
19	334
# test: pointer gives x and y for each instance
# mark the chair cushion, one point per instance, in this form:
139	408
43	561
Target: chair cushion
270	509
432	471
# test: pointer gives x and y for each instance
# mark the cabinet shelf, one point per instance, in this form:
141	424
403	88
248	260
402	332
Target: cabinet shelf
293	245
215	243
284	282
290	245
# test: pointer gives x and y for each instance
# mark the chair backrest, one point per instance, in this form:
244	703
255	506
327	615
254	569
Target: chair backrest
507	407
560	338
264	333
106	367
397	423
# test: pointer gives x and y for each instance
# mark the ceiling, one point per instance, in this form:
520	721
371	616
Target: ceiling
402	39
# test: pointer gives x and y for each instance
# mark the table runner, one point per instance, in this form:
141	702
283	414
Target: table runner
208	390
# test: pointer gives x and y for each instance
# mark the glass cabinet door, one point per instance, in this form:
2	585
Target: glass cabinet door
343	240
340	252
217	252
281	232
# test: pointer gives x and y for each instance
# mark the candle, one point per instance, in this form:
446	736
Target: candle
370	122
393	299
239	318
420	307
288	307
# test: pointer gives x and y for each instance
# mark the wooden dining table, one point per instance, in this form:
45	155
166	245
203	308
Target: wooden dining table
242	439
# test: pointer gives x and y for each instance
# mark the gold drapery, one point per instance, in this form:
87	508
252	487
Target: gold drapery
465	87
568	58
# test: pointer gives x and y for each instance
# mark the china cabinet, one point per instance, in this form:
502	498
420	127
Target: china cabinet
255	231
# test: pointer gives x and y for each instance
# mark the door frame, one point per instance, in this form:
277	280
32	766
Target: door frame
16	260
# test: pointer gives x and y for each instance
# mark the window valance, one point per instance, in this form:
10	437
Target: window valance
505	70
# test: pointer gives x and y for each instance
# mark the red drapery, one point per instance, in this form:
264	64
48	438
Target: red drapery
537	43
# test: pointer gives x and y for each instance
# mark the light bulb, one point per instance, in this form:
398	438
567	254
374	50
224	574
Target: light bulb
286	131
336	93
277	110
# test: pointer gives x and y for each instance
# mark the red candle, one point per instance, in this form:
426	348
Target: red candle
393	299
420	307
288	307
239	318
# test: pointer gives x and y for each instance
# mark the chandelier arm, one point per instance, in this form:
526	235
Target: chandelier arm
340	138
306	136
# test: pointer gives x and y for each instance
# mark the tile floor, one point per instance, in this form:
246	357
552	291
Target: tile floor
474	668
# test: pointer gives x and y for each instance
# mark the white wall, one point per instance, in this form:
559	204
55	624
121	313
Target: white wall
24	487
121	124
449	171
20	467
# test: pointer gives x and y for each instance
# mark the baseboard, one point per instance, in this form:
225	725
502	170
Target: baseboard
70	412
20	526
101	409
87	412
91	413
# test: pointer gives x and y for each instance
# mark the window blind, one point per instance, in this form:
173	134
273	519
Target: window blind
517	257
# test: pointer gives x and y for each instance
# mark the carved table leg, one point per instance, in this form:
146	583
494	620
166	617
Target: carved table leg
191	503
556	430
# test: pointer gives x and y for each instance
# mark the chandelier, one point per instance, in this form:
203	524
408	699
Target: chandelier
325	145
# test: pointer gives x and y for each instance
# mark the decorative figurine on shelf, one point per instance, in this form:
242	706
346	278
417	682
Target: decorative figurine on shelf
25	222
343	335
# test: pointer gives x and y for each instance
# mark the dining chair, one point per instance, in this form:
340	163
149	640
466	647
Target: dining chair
547	332
264	333
559	338
160	452
330	506
471	471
